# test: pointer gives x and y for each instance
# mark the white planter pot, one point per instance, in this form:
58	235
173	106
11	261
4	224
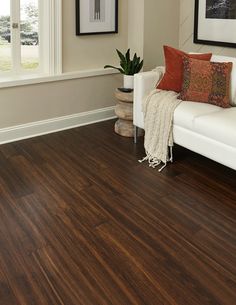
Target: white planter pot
128	82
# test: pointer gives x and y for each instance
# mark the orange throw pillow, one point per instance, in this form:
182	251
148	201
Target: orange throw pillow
173	77
206	82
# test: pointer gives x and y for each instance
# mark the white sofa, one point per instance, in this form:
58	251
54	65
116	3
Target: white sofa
203	128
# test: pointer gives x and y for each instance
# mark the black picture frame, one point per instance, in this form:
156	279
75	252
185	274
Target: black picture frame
78	21
207	41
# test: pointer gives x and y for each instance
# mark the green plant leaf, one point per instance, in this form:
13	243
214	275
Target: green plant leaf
116	68
121	56
127	55
128	66
123	64
140	66
136	63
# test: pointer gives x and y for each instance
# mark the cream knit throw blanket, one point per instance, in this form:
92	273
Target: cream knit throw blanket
158	109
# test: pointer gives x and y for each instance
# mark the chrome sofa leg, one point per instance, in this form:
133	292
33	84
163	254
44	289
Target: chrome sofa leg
171	154
135	134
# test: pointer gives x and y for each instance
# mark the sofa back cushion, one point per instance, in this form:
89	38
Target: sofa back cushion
206	82
218	58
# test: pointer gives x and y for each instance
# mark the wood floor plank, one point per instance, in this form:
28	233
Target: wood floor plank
16	181
83	223
210	274
6	294
182	289
98	281
23	278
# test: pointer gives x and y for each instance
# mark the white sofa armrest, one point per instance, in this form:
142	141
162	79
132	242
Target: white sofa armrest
144	83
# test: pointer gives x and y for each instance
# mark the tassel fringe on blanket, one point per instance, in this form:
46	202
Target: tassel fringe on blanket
158	110
154	162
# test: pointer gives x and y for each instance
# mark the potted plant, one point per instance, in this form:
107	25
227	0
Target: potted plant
128	67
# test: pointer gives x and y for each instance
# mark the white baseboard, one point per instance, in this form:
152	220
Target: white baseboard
30	130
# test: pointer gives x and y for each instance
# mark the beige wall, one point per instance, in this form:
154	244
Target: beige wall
136	26
186	32
91	52
26	104
161	27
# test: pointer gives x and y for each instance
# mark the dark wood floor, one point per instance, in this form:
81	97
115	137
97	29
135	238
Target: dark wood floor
83	223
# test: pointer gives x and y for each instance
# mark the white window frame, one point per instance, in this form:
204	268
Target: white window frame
50	46
52	41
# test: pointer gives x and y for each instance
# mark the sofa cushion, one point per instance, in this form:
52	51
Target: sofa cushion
173	77
218	58
220	126
187	112
206	82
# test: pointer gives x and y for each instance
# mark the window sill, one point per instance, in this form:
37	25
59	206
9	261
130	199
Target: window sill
38	79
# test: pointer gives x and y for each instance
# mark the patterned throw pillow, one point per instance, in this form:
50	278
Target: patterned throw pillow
173	77
206	82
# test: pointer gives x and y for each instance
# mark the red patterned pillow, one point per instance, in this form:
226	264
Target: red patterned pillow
206	82
173	77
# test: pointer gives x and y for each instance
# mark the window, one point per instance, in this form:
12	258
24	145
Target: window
30	32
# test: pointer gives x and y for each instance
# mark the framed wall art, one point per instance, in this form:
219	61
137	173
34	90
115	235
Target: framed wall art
215	22
96	17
